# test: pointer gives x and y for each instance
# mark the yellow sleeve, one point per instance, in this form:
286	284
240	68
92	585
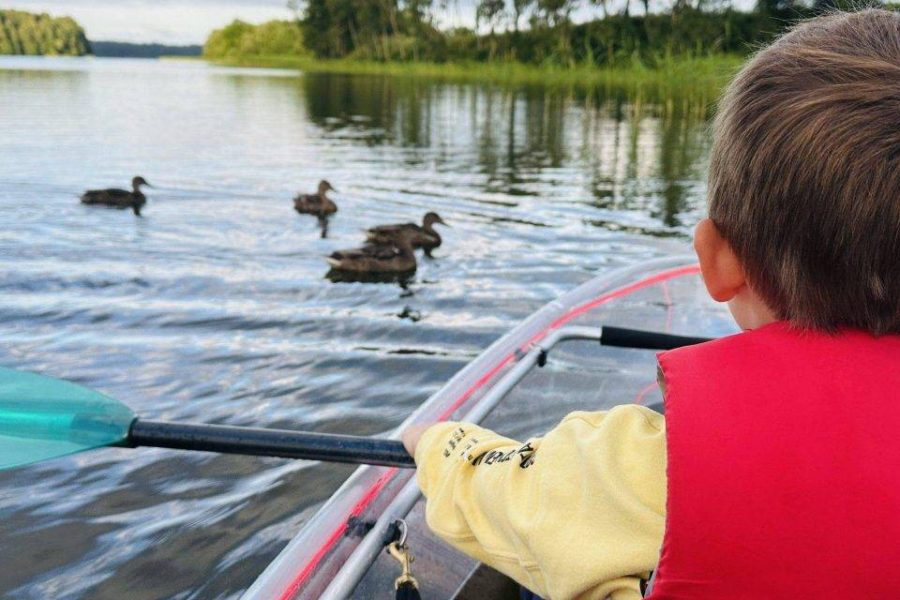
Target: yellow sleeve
578	513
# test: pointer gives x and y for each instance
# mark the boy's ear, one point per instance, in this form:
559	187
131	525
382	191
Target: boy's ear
721	269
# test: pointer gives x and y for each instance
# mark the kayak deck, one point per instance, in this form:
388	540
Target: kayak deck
339	552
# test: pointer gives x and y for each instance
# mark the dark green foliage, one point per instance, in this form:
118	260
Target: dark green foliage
243	39
619	39
371	29
27	33
536	32
393	30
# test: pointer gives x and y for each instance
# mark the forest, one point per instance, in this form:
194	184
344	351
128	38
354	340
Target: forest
35	34
535	32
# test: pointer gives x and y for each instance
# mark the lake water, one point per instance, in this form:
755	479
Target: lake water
215	307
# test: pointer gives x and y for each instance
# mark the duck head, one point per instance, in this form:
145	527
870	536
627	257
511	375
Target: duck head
137	182
324	186
432	218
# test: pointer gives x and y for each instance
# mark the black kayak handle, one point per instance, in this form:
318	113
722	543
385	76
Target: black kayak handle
646	340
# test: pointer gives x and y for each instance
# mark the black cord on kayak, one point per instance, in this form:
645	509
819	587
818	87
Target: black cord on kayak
647	340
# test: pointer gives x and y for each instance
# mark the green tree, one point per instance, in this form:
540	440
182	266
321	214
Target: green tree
389	30
490	12
518	10
26	33
274	38
374	29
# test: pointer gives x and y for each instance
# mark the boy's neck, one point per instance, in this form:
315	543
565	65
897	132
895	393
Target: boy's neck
749	310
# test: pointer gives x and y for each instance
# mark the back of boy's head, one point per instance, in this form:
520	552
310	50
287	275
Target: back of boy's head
805	172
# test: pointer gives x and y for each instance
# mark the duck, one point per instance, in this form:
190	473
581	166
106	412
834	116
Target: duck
392	256
117	198
420	236
316	204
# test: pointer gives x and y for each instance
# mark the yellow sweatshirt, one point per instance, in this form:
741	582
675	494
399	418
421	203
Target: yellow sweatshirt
578	513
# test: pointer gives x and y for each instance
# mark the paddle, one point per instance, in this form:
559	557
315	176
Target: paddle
43	418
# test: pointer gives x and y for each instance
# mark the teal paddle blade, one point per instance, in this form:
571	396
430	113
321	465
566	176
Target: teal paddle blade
42	418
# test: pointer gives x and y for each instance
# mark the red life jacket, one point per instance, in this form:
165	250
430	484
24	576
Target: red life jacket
783	467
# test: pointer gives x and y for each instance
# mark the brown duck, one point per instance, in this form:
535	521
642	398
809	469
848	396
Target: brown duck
420	236
117	198
394	256
316	204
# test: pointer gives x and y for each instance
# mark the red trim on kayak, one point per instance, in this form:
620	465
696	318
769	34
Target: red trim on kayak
663	276
642	395
669	306
562	320
337	534
376	488
475	386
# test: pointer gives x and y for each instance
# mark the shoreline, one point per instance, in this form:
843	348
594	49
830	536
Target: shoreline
694	75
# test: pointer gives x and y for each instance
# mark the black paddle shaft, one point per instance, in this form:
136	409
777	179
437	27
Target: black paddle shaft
270	442
647	340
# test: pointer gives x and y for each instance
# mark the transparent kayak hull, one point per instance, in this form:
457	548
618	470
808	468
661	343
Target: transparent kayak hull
339	552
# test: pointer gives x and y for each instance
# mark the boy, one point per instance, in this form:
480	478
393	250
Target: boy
776	470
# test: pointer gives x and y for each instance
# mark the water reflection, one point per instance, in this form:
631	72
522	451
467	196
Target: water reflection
625	153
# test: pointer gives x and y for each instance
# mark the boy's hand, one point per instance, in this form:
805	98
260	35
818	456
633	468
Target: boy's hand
412	435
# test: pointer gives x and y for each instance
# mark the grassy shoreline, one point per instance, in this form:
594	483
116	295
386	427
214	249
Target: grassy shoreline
706	74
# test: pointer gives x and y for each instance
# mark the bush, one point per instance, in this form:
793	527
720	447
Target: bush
26	33
243	39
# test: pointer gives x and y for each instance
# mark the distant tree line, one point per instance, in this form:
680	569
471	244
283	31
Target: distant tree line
27	33
126	49
528	31
541	31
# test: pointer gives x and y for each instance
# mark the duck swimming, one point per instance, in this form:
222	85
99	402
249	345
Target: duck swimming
117	198
316	204
394	256
424	236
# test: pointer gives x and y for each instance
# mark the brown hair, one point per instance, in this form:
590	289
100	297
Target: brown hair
804	177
